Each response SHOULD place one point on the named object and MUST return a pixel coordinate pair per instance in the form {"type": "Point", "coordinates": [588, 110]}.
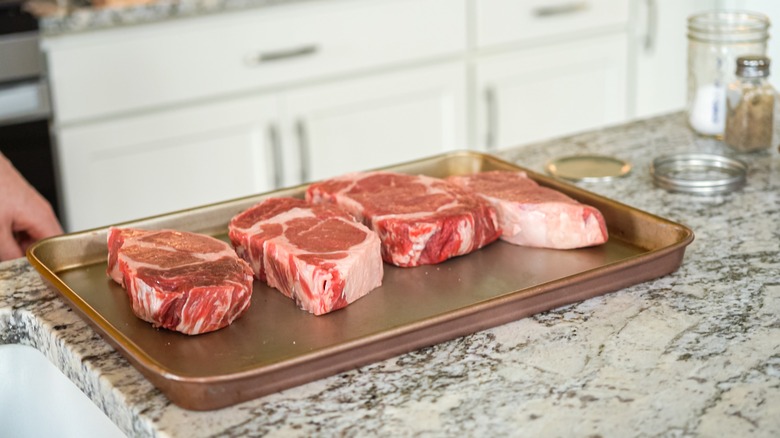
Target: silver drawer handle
{"type": "Point", "coordinates": [276, 152]}
{"type": "Point", "coordinates": [652, 25]}
{"type": "Point", "coordinates": [303, 150]}
{"type": "Point", "coordinates": [491, 119]}
{"type": "Point", "coordinates": [284, 54]}
{"type": "Point", "coordinates": [562, 9]}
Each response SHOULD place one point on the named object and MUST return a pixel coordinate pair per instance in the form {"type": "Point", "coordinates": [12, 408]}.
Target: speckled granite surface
{"type": "Point", "coordinates": [65, 17]}
{"type": "Point", "coordinates": [695, 353]}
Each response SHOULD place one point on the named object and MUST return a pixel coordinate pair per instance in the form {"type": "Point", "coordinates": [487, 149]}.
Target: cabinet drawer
{"type": "Point", "coordinates": [508, 21]}
{"type": "Point", "coordinates": [129, 69]}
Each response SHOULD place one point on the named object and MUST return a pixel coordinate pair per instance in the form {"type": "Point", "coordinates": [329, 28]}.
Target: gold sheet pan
{"type": "Point", "coordinates": [276, 346]}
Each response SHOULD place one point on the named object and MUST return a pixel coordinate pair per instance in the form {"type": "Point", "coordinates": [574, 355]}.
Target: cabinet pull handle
{"type": "Point", "coordinates": [283, 54]}
{"type": "Point", "coordinates": [303, 150]}
{"type": "Point", "coordinates": [562, 9]}
{"type": "Point", "coordinates": [276, 155]}
{"type": "Point", "coordinates": [652, 25]}
{"type": "Point", "coordinates": [491, 119]}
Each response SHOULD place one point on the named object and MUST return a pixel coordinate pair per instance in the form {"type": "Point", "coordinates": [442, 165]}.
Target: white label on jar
{"type": "Point", "coordinates": [708, 113]}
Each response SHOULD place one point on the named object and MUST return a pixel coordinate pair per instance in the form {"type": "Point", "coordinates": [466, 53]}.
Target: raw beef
{"type": "Point", "coordinates": [180, 281]}
{"type": "Point", "coordinates": [420, 220]}
{"type": "Point", "coordinates": [315, 254]}
{"type": "Point", "coordinates": [532, 215]}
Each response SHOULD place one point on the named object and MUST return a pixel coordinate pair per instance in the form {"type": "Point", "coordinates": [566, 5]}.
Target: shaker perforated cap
{"type": "Point", "coordinates": [753, 66]}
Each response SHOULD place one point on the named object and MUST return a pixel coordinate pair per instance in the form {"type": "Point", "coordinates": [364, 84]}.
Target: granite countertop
{"type": "Point", "coordinates": [694, 353]}
{"type": "Point", "coordinates": [61, 17]}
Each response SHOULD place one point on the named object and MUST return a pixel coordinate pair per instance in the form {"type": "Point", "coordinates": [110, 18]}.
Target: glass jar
{"type": "Point", "coordinates": [715, 40]}
{"type": "Point", "coordinates": [750, 106]}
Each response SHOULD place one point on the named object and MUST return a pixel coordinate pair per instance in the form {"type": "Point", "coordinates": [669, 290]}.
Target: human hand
{"type": "Point", "coordinates": [25, 215]}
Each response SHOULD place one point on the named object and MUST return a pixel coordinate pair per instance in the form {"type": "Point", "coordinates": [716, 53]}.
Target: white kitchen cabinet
{"type": "Point", "coordinates": [153, 118]}
{"type": "Point", "coordinates": [659, 74]}
{"type": "Point", "coordinates": [162, 161]}
{"type": "Point", "coordinates": [538, 93]}
{"type": "Point", "coordinates": [162, 116]}
{"type": "Point", "coordinates": [546, 68]}
{"type": "Point", "coordinates": [374, 121]}
{"type": "Point", "coordinates": [149, 164]}
{"type": "Point", "coordinates": [128, 69]}
{"type": "Point", "coordinates": [506, 23]}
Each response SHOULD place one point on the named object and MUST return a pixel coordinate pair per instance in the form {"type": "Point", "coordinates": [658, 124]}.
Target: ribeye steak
{"type": "Point", "coordinates": [536, 216]}
{"type": "Point", "coordinates": [318, 255]}
{"type": "Point", "coordinates": [187, 282]}
{"type": "Point", "coordinates": [420, 220]}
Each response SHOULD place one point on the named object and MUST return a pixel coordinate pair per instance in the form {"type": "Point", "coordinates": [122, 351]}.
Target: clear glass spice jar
{"type": "Point", "coordinates": [750, 102]}
{"type": "Point", "coordinates": [715, 40]}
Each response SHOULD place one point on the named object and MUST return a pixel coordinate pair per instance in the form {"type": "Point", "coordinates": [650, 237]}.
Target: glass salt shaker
{"type": "Point", "coordinates": [715, 40]}
{"type": "Point", "coordinates": [750, 102]}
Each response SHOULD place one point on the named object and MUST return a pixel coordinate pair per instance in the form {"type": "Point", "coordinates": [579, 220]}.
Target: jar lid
{"type": "Point", "coordinates": [753, 66]}
{"type": "Point", "coordinates": [703, 174]}
{"type": "Point", "coordinates": [588, 168]}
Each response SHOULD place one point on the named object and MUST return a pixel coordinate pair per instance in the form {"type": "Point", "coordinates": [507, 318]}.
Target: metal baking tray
{"type": "Point", "coordinates": [276, 346]}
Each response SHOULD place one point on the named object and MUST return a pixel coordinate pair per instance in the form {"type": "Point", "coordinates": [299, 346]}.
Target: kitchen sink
{"type": "Point", "coordinates": [37, 400]}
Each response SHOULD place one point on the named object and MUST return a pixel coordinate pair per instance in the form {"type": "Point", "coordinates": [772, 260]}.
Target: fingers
{"type": "Point", "coordinates": [41, 223]}
{"type": "Point", "coordinates": [9, 247]}
{"type": "Point", "coordinates": [31, 221]}
{"type": "Point", "coordinates": [25, 215]}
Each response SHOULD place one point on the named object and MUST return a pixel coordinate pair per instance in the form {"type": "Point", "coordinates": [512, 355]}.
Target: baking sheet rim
{"type": "Point", "coordinates": [151, 368]}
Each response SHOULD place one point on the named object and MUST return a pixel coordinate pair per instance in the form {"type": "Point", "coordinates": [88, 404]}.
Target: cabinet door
{"type": "Point", "coordinates": [550, 91]}
{"type": "Point", "coordinates": [660, 48]}
{"type": "Point", "coordinates": [374, 121]}
{"type": "Point", "coordinates": [160, 162]}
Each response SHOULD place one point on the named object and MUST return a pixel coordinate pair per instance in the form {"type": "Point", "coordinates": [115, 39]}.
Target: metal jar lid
{"type": "Point", "coordinates": [588, 168]}
{"type": "Point", "coordinates": [703, 174]}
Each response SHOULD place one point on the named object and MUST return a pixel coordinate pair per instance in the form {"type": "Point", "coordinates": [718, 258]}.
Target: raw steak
{"type": "Point", "coordinates": [532, 215]}
{"type": "Point", "coordinates": [315, 254]}
{"type": "Point", "coordinates": [420, 220]}
{"type": "Point", "coordinates": [180, 281]}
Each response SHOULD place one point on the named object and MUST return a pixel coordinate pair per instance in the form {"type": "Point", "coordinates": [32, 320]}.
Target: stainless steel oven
{"type": "Point", "coordinates": [24, 100]}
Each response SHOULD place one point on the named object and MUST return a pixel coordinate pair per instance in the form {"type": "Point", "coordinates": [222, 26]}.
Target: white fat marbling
{"type": "Point", "coordinates": [694, 353]}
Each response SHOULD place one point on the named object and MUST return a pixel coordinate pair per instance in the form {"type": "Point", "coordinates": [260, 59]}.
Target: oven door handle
{"type": "Point", "coordinates": [24, 101]}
